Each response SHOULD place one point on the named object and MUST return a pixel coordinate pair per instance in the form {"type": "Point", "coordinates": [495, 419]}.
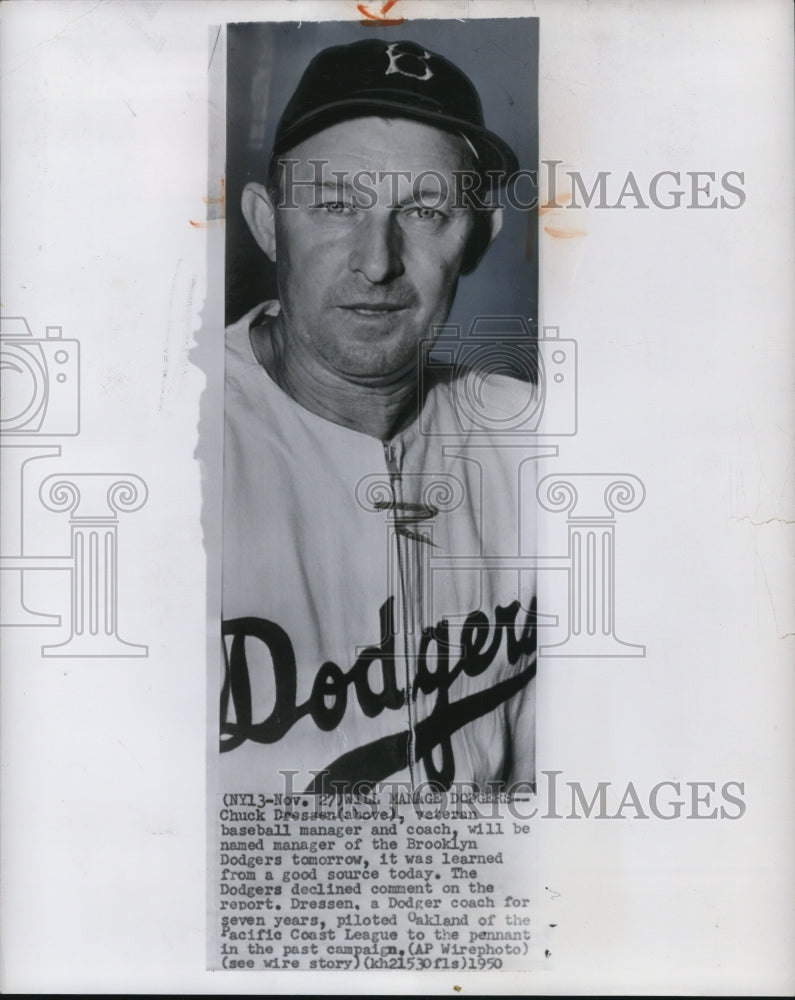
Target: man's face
{"type": "Point", "coordinates": [365, 274]}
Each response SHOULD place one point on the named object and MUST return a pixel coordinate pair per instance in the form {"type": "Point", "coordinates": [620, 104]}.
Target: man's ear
{"type": "Point", "coordinates": [259, 214]}
{"type": "Point", "coordinates": [487, 226]}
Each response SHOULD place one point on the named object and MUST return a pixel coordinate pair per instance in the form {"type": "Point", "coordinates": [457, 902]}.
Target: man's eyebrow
{"type": "Point", "coordinates": [334, 185]}
{"type": "Point", "coordinates": [438, 195]}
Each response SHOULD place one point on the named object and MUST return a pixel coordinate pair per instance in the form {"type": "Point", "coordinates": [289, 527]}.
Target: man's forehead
{"type": "Point", "coordinates": [385, 144]}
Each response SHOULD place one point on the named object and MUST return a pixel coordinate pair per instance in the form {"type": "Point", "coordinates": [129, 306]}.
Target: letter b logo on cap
{"type": "Point", "coordinates": [407, 62]}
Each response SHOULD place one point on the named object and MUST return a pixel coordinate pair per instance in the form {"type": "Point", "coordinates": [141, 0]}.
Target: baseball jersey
{"type": "Point", "coordinates": [378, 622]}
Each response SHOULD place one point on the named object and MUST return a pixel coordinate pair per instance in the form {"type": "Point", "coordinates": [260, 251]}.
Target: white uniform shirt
{"type": "Point", "coordinates": [376, 626]}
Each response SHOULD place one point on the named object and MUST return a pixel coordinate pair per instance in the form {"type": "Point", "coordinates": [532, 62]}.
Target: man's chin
{"type": "Point", "coordinates": [375, 367]}
{"type": "Point", "coordinates": [375, 351]}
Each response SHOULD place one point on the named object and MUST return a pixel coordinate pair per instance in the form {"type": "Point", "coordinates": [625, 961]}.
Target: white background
{"type": "Point", "coordinates": [684, 321]}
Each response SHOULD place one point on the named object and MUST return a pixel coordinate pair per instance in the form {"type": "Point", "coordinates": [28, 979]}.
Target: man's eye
{"type": "Point", "coordinates": [337, 207]}
{"type": "Point", "coordinates": [429, 214]}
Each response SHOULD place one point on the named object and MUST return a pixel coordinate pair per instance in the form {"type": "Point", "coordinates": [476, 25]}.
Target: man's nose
{"type": "Point", "coordinates": [378, 251]}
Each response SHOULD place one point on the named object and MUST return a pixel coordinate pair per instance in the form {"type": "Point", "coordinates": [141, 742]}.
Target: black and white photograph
{"type": "Point", "coordinates": [396, 510]}
{"type": "Point", "coordinates": [378, 619]}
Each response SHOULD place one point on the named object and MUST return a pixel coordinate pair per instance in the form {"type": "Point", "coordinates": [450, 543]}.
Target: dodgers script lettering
{"type": "Point", "coordinates": [480, 642]}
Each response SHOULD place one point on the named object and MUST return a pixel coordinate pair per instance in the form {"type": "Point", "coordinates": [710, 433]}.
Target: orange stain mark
{"type": "Point", "coordinates": [564, 234]}
{"type": "Point", "coordinates": [558, 202]}
{"type": "Point", "coordinates": [217, 216]}
{"type": "Point", "coordinates": [217, 201]}
{"type": "Point", "coordinates": [380, 19]}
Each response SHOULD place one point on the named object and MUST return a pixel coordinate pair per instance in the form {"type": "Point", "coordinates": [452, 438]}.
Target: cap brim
{"type": "Point", "coordinates": [494, 154]}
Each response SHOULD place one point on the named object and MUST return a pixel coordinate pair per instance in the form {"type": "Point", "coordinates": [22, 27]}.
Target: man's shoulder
{"type": "Point", "coordinates": [485, 400]}
{"type": "Point", "coordinates": [243, 325]}
{"type": "Point", "coordinates": [239, 352]}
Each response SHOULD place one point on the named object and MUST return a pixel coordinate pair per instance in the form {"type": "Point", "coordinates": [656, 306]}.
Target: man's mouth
{"type": "Point", "coordinates": [372, 308]}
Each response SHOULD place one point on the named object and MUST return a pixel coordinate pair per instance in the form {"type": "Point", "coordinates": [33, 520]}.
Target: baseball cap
{"type": "Point", "coordinates": [390, 79]}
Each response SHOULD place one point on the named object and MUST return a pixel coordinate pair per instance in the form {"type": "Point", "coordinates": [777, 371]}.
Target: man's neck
{"type": "Point", "coordinates": [379, 408]}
